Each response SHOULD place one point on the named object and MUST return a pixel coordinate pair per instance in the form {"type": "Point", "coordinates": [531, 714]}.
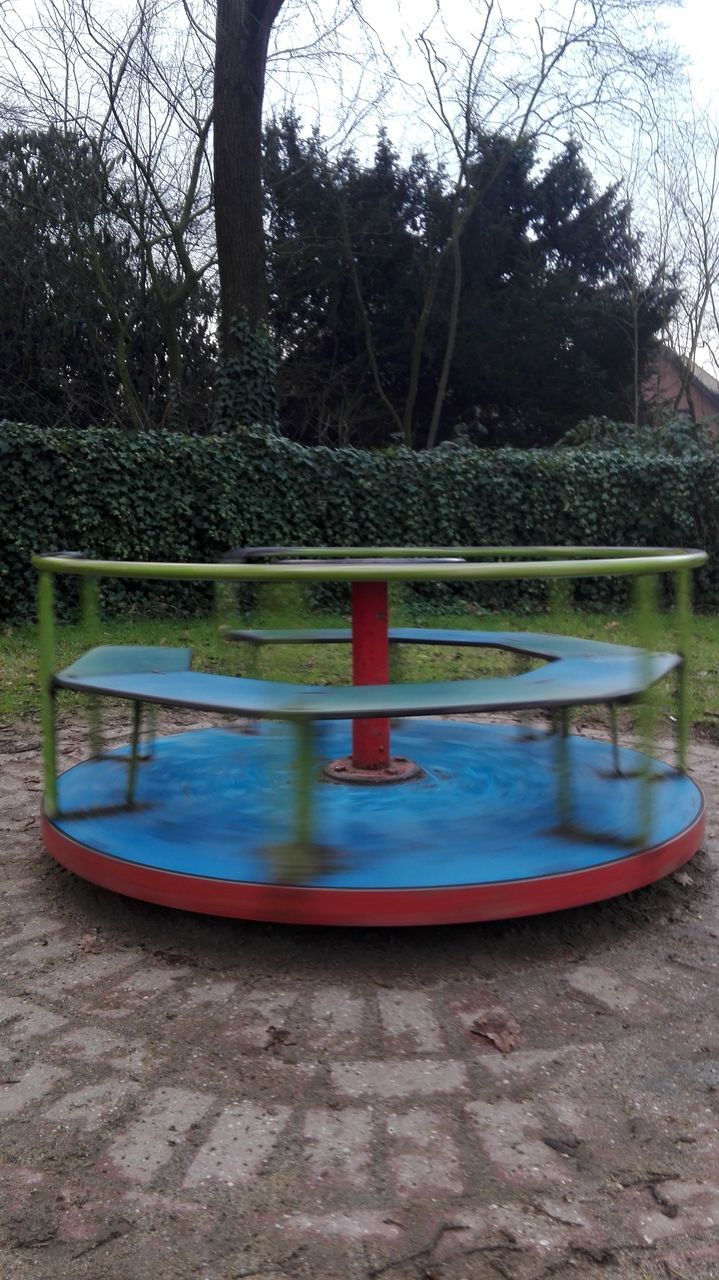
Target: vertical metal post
{"type": "Point", "coordinates": [134, 752]}
{"type": "Point", "coordinates": [564, 788]}
{"type": "Point", "coordinates": [615, 739]}
{"type": "Point", "coordinates": [370, 665]}
{"type": "Point", "coordinates": [46, 644]}
{"type": "Point", "coordinates": [683, 612]}
{"type": "Point", "coordinates": [90, 614]}
{"type": "Point", "coordinates": [223, 616]}
{"type": "Point", "coordinates": [90, 607]}
{"type": "Point", "coordinates": [646, 600]}
{"type": "Point", "coordinates": [304, 780]}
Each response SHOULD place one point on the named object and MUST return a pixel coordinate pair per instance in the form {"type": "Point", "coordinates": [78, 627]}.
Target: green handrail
{"type": "Point", "coordinates": [430, 564]}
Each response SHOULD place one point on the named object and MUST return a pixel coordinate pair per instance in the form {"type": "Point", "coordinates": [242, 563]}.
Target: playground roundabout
{"type": "Point", "coordinates": [366, 804]}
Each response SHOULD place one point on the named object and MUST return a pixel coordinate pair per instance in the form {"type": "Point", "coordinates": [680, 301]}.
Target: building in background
{"type": "Point", "coordinates": [689, 391]}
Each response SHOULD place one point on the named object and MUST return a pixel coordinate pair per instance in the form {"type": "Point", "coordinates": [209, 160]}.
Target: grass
{"type": "Point", "coordinates": [330, 664]}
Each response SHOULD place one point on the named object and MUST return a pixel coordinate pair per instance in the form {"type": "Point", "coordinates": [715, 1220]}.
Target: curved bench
{"type": "Point", "coordinates": [533, 644]}
{"type": "Point", "coordinates": [162, 675]}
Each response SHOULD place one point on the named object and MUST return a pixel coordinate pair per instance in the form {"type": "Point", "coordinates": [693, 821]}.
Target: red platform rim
{"type": "Point", "coordinates": [294, 904]}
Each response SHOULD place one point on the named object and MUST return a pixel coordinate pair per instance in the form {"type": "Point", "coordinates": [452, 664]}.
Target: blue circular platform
{"type": "Point", "coordinates": [477, 836]}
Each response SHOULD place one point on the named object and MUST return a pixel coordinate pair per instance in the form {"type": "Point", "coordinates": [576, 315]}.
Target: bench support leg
{"type": "Point", "coordinates": [134, 752]}
{"type": "Point", "coordinates": [304, 783]}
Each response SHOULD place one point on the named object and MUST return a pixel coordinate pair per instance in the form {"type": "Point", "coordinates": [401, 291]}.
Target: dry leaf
{"type": "Point", "coordinates": [499, 1027]}
{"type": "Point", "coordinates": [278, 1036]}
{"type": "Point", "coordinates": [89, 942]}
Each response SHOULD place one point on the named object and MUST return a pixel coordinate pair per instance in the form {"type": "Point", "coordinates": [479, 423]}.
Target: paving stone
{"type": "Point", "coordinates": [91, 1106]}
{"type": "Point", "coordinates": [409, 1022]}
{"type": "Point", "coordinates": [39, 952]}
{"type": "Point", "coordinates": [423, 1154]}
{"type": "Point", "coordinates": [688, 1208]}
{"type": "Point", "coordinates": [249, 1023]}
{"type": "Point", "coordinates": [17, 889]}
{"type": "Point", "coordinates": [336, 1018]}
{"type": "Point", "coordinates": [238, 1146]}
{"type": "Point", "coordinates": [19, 1091]}
{"type": "Point", "coordinates": [149, 1141]}
{"type": "Point", "coordinates": [510, 1134]}
{"type": "Point", "coordinates": [89, 970]}
{"type": "Point", "coordinates": [35, 927]}
{"type": "Point", "coordinates": [614, 993]}
{"type": "Point", "coordinates": [26, 1019]}
{"type": "Point", "coordinates": [215, 992]}
{"type": "Point", "coordinates": [338, 1144]}
{"type": "Point", "coordinates": [533, 1065]}
{"type": "Point", "coordinates": [90, 1042]}
{"type": "Point", "coordinates": [505, 1230]}
{"type": "Point", "coordinates": [396, 1078]}
{"type": "Point", "coordinates": [152, 982]}
{"type": "Point", "coordinates": [347, 1226]}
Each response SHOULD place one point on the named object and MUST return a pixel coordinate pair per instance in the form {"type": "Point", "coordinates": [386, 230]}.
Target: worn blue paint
{"type": "Point", "coordinates": [536, 644]}
{"type": "Point", "coordinates": [214, 801]}
{"type": "Point", "coordinates": [567, 682]}
{"type": "Point", "coordinates": [126, 659]}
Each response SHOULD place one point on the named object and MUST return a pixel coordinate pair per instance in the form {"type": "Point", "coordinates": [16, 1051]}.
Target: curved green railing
{"type": "Point", "coordinates": [505, 563]}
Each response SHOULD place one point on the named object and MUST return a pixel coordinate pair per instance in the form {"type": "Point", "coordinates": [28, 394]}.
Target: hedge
{"type": "Point", "coordinates": [161, 496]}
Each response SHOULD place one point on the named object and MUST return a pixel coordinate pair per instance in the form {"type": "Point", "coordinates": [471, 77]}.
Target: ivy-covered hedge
{"type": "Point", "coordinates": [159, 496]}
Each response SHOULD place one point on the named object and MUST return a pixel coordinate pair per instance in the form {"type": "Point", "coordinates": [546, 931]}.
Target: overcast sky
{"type": "Point", "coordinates": [317, 92]}
{"type": "Point", "coordinates": [696, 29]}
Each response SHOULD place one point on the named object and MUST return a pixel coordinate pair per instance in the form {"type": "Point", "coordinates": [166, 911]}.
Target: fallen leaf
{"type": "Point", "coordinates": [499, 1027]}
{"type": "Point", "coordinates": [567, 1145]}
{"type": "Point", "coordinates": [89, 942]}
{"type": "Point", "coordinates": [278, 1036]}
{"type": "Point", "coordinates": [682, 877]}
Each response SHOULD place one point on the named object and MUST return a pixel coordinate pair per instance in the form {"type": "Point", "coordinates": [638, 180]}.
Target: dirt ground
{"type": "Point", "coordinates": [183, 1096]}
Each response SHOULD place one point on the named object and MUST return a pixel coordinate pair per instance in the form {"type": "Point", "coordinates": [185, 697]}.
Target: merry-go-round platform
{"type": "Point", "coordinates": [378, 802]}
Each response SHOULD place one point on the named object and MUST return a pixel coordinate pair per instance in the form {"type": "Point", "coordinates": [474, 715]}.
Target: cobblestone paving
{"type": "Point", "coordinates": [186, 1097]}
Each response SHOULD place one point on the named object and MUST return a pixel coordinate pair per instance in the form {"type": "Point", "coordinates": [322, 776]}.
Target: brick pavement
{"type": "Point", "coordinates": [184, 1097]}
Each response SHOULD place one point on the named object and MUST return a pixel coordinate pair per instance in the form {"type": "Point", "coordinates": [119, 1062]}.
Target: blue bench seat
{"type": "Point", "coordinates": [533, 644]}
{"type": "Point", "coordinates": [162, 675]}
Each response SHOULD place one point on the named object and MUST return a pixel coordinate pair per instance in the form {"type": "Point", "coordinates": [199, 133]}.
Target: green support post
{"type": "Point", "coordinates": [150, 731]}
{"type": "Point", "coordinates": [90, 614]}
{"type": "Point", "coordinates": [134, 753]}
{"type": "Point", "coordinates": [304, 780]}
{"type": "Point", "coordinates": [564, 781]}
{"type": "Point", "coordinates": [519, 663]}
{"type": "Point", "coordinates": [396, 663]}
{"type": "Point", "coordinates": [614, 729]}
{"type": "Point", "coordinates": [224, 616]}
{"type": "Point", "coordinates": [684, 631]}
{"type": "Point", "coordinates": [46, 645]}
{"type": "Point", "coordinates": [397, 615]}
{"type": "Point", "coordinates": [646, 620]}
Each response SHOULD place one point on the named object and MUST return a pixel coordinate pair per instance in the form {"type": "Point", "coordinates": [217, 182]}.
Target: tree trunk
{"type": "Point", "coordinates": [243, 32]}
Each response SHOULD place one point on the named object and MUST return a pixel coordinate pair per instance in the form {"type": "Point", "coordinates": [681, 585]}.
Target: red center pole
{"type": "Point", "coordinates": [370, 665]}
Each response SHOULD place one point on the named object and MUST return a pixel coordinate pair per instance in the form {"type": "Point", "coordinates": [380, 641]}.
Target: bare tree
{"type": "Point", "coordinates": [577, 69]}
{"type": "Point", "coordinates": [138, 89]}
{"type": "Point", "coordinates": [686, 173]}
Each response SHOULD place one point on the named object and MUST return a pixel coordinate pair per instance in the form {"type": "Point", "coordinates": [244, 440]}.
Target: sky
{"type": "Point", "coordinates": [695, 28]}
{"type": "Point", "coordinates": [321, 94]}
